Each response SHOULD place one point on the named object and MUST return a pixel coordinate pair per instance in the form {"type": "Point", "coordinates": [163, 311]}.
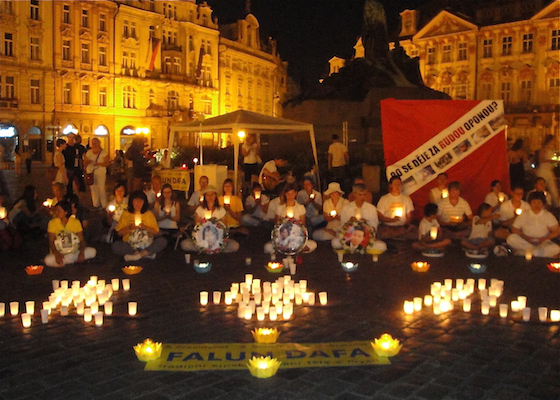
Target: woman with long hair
{"type": "Point", "coordinates": [28, 216]}
{"type": "Point", "coordinates": [167, 209]}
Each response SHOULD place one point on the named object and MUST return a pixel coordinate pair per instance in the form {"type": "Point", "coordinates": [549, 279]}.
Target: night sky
{"type": "Point", "coordinates": [310, 32]}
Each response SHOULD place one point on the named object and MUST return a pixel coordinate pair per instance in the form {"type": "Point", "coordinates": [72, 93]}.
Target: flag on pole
{"type": "Point", "coordinates": [155, 45]}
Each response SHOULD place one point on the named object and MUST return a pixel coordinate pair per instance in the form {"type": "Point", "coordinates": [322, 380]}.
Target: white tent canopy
{"type": "Point", "coordinates": [249, 122]}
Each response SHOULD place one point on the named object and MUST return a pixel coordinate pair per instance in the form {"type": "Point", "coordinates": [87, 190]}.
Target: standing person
{"type": "Point", "coordinates": [96, 162]}
{"type": "Point", "coordinates": [59, 162]}
{"type": "Point", "coordinates": [136, 154]}
{"type": "Point", "coordinates": [73, 162]}
{"type": "Point", "coordinates": [517, 157]}
{"type": "Point", "coordinates": [17, 161]}
{"type": "Point", "coordinates": [27, 158]}
{"type": "Point", "coordinates": [118, 166]}
{"type": "Point", "coordinates": [338, 159]}
{"type": "Point", "coordinates": [546, 167]}
{"type": "Point", "coordinates": [251, 155]}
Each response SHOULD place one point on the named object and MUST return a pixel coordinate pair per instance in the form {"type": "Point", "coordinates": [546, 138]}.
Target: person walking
{"type": "Point", "coordinates": [96, 162]}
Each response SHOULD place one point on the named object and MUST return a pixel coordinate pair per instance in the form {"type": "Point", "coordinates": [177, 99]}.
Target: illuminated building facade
{"type": "Point", "coordinates": [115, 69]}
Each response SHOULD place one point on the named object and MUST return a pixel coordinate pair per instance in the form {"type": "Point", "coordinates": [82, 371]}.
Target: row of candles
{"type": "Point", "coordinates": [442, 299]}
{"type": "Point", "coordinates": [272, 299]}
{"type": "Point", "coordinates": [86, 300]}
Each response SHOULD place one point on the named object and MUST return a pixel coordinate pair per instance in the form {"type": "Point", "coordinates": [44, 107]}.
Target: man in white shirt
{"type": "Point", "coordinates": [359, 210]}
{"type": "Point", "coordinates": [509, 210]}
{"type": "Point", "coordinates": [452, 212]}
{"type": "Point", "coordinates": [313, 203]}
{"type": "Point", "coordinates": [534, 229]}
{"type": "Point", "coordinates": [338, 159]}
{"type": "Point", "coordinates": [395, 212]}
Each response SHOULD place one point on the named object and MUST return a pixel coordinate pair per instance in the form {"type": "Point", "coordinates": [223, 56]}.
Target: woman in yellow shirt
{"type": "Point", "coordinates": [234, 208]}
{"type": "Point", "coordinates": [138, 227]}
{"type": "Point", "coordinates": [66, 240]}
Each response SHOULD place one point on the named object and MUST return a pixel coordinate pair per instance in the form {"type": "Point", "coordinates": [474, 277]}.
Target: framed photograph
{"type": "Point", "coordinates": [67, 242]}
{"type": "Point", "coordinates": [140, 239]}
{"type": "Point", "coordinates": [357, 237]}
{"type": "Point", "coordinates": [210, 236]}
{"type": "Point", "coordinates": [289, 236]}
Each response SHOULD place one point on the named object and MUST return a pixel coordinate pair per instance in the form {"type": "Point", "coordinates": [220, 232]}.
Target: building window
{"type": "Point", "coordinates": [85, 19]}
{"type": "Point", "coordinates": [66, 50]}
{"type": "Point", "coordinates": [462, 91]}
{"type": "Point", "coordinates": [506, 45]}
{"type": "Point", "coordinates": [413, 52]}
{"type": "Point", "coordinates": [191, 43]}
{"type": "Point", "coordinates": [133, 29]}
{"type": "Point", "coordinates": [446, 53]}
{"type": "Point", "coordinates": [555, 40]}
{"type": "Point", "coordinates": [177, 66]}
{"type": "Point", "coordinates": [206, 75]}
{"type": "Point", "coordinates": [34, 10]}
{"type": "Point", "coordinates": [446, 90]}
{"type": "Point", "coordinates": [85, 95]}
{"type": "Point", "coordinates": [129, 97]}
{"type": "Point", "coordinates": [207, 105]}
{"type": "Point", "coordinates": [431, 55]}
{"type": "Point", "coordinates": [85, 53]}
{"type": "Point", "coordinates": [34, 52]}
{"type": "Point", "coordinates": [103, 96]}
{"type": "Point", "coordinates": [462, 54]}
{"type": "Point", "coordinates": [103, 56]}
{"type": "Point", "coordinates": [152, 5]}
{"type": "Point", "coordinates": [66, 13]}
{"type": "Point", "coordinates": [126, 28]}
{"type": "Point", "coordinates": [240, 87]}
{"type": "Point", "coordinates": [152, 97]}
{"type": "Point", "coordinates": [8, 44]}
{"type": "Point", "coordinates": [506, 92]}
{"type": "Point", "coordinates": [208, 47]}
{"type": "Point", "coordinates": [132, 60]}
{"type": "Point", "coordinates": [528, 43]}
{"type": "Point", "coordinates": [487, 48]}
{"type": "Point", "coordinates": [7, 7]}
{"type": "Point", "coordinates": [152, 31]}
{"type": "Point", "coordinates": [205, 20]}
{"type": "Point", "coordinates": [67, 93]}
{"type": "Point", "coordinates": [167, 65]}
{"type": "Point", "coordinates": [172, 100]}
{"type": "Point", "coordinates": [102, 22]}
{"type": "Point", "coordinates": [486, 91]}
{"type": "Point", "coordinates": [526, 92]}
{"type": "Point", "coordinates": [10, 88]}
{"type": "Point", "coordinates": [125, 59]}
{"type": "Point", "coordinates": [554, 89]}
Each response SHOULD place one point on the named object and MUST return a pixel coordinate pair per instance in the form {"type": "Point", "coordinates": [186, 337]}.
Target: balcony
{"type": "Point", "coordinates": [8, 103]}
{"type": "Point", "coordinates": [172, 47]}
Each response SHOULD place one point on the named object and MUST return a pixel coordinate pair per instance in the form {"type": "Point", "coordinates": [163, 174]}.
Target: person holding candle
{"type": "Point", "coordinates": [312, 200]}
{"type": "Point", "coordinates": [539, 185]}
{"type": "Point", "coordinates": [167, 210]}
{"type": "Point", "coordinates": [509, 210]}
{"type": "Point", "coordinates": [496, 197]}
{"type": "Point", "coordinates": [209, 209]}
{"type": "Point", "coordinates": [395, 212]}
{"type": "Point", "coordinates": [58, 191]}
{"type": "Point", "coordinates": [430, 238]}
{"type": "Point", "coordinates": [256, 207]}
{"type": "Point", "coordinates": [452, 212]}
{"type": "Point", "coordinates": [481, 234]}
{"type": "Point", "coordinates": [138, 227]}
{"type": "Point", "coordinates": [534, 230]}
{"type": "Point", "coordinates": [360, 210]}
{"type": "Point", "coordinates": [196, 198]}
{"type": "Point", "coordinates": [66, 241]}
{"type": "Point", "coordinates": [155, 191]}
{"type": "Point", "coordinates": [369, 195]}
{"type": "Point", "coordinates": [332, 210]}
{"type": "Point", "coordinates": [440, 191]}
{"type": "Point", "coordinates": [233, 206]}
{"type": "Point", "coordinates": [115, 208]}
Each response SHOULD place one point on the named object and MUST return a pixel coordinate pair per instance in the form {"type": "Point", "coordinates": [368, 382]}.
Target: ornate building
{"type": "Point", "coordinates": [493, 50]}
{"type": "Point", "coordinates": [116, 69]}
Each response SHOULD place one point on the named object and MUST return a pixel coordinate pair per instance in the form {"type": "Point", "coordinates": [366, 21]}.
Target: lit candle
{"type": "Point", "coordinates": [543, 313]}
{"type": "Point", "coordinates": [207, 214]}
{"type": "Point", "coordinates": [444, 193]}
{"type": "Point", "coordinates": [204, 298]}
{"type": "Point", "coordinates": [248, 313]}
{"type": "Point", "coordinates": [333, 213]}
{"type": "Point", "coordinates": [26, 320]}
{"type": "Point", "coordinates": [529, 254]}
{"type": "Point", "coordinates": [518, 211]}
{"type": "Point", "coordinates": [260, 313]}
{"type": "Point", "coordinates": [14, 308]}
{"type": "Point", "coordinates": [358, 213]}
{"type": "Point", "coordinates": [417, 303]}
{"type": "Point", "coordinates": [137, 219]}
{"type": "Point", "coordinates": [257, 194]}
{"type": "Point", "coordinates": [408, 307]}
{"type": "Point", "coordinates": [3, 212]}
{"type": "Point", "coordinates": [448, 284]}
{"type": "Point", "coordinates": [2, 309]}
{"type": "Point", "coordinates": [98, 318]}
{"type": "Point", "coordinates": [132, 308]}
{"type": "Point", "coordinates": [115, 283]}
{"type": "Point", "coordinates": [312, 196]}
{"type": "Point", "coordinates": [30, 307]}
{"type": "Point", "coordinates": [201, 199]}
{"type": "Point", "coordinates": [526, 314]}
{"type": "Point", "coordinates": [227, 200]}
{"type": "Point", "coordinates": [466, 305]}
{"type": "Point", "coordinates": [227, 298]}
{"type": "Point", "coordinates": [433, 232]}
{"type": "Point", "coordinates": [503, 310]}
{"type": "Point", "coordinates": [108, 307]}
{"type": "Point", "coordinates": [501, 197]}
{"type": "Point", "coordinates": [44, 316]}
{"type": "Point", "coordinates": [126, 284]}
{"type": "Point", "coordinates": [148, 350]}
{"type": "Point", "coordinates": [112, 208]}
{"type": "Point", "coordinates": [428, 300]}
{"type": "Point", "coordinates": [323, 298]}
{"type": "Point", "coordinates": [437, 309]}
{"type": "Point", "coordinates": [290, 212]}
{"type": "Point", "coordinates": [87, 315]}
{"type": "Point", "coordinates": [216, 297]}
{"type": "Point", "coordinates": [399, 212]}
{"type": "Point", "coordinates": [555, 315]}
{"type": "Point", "coordinates": [311, 300]}
{"type": "Point", "coordinates": [64, 311]}
{"type": "Point", "coordinates": [515, 306]}
{"type": "Point", "coordinates": [481, 284]}
{"type": "Point", "coordinates": [522, 300]}
{"type": "Point", "coordinates": [80, 307]}
{"type": "Point", "coordinates": [272, 314]}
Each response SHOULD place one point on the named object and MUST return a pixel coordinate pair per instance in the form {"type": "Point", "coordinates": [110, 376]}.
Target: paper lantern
{"type": "Point", "coordinates": [420, 266]}
{"type": "Point", "coordinates": [132, 270]}
{"type": "Point", "coordinates": [148, 350]}
{"type": "Point", "coordinates": [265, 335]}
{"type": "Point", "coordinates": [34, 269]}
{"type": "Point", "coordinates": [263, 367]}
{"type": "Point", "coordinates": [386, 346]}
{"type": "Point", "coordinates": [554, 266]}
{"type": "Point", "coordinates": [274, 267]}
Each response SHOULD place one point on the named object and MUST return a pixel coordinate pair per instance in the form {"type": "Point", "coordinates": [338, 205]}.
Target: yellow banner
{"type": "Point", "coordinates": [207, 356]}
{"type": "Point", "coordinates": [179, 179]}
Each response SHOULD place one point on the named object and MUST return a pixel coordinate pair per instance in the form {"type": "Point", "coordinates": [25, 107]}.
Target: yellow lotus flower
{"type": "Point", "coordinates": [263, 367]}
{"type": "Point", "coordinates": [265, 335]}
{"type": "Point", "coordinates": [148, 350]}
{"type": "Point", "coordinates": [386, 346]}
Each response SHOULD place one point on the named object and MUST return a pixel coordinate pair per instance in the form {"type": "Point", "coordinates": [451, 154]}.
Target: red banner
{"type": "Point", "coordinates": [408, 125]}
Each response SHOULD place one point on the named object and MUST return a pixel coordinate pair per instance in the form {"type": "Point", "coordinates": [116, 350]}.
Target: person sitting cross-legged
{"type": "Point", "coordinates": [66, 240]}
{"type": "Point", "coordinates": [534, 230]}
{"type": "Point", "coordinates": [481, 238]}
{"type": "Point", "coordinates": [395, 212]}
{"type": "Point", "coordinates": [332, 210]}
{"type": "Point", "coordinates": [509, 210]}
{"type": "Point", "coordinates": [430, 238]}
{"type": "Point", "coordinates": [452, 212]}
{"type": "Point", "coordinates": [312, 200]}
{"type": "Point", "coordinates": [256, 207]}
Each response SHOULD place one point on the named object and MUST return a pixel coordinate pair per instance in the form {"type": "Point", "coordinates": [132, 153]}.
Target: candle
{"type": "Point", "coordinates": [227, 298]}
{"type": "Point", "coordinates": [44, 316]}
{"type": "Point", "coordinates": [30, 307]}
{"type": "Point", "coordinates": [529, 254]}
{"type": "Point", "coordinates": [207, 214]}
{"type": "Point", "coordinates": [132, 308]}
{"type": "Point", "coordinates": [14, 308]}
{"type": "Point", "coordinates": [257, 194]}
{"type": "Point", "coordinates": [455, 294]}
{"type": "Point", "coordinates": [248, 313]}
{"type": "Point", "coordinates": [518, 211]}
{"type": "Point", "coordinates": [126, 284]}
{"type": "Point", "coordinates": [333, 213]}
{"type": "Point", "coordinates": [492, 300]}
{"type": "Point", "coordinates": [543, 313]}
{"type": "Point", "coordinates": [203, 298]}
{"type": "Point", "coordinates": [481, 284]}
{"type": "Point", "coordinates": [115, 283]}
{"type": "Point", "coordinates": [408, 307]}
{"type": "Point", "coordinates": [448, 284]}
{"type": "Point", "coordinates": [290, 212]}
{"type": "Point", "coordinates": [87, 315]}
{"type": "Point", "coordinates": [444, 193]}
{"type": "Point", "coordinates": [437, 309]}
{"type": "Point", "coordinates": [26, 320]}
{"type": "Point", "coordinates": [501, 197]}
{"type": "Point", "coordinates": [55, 284]}
{"type": "Point", "coordinates": [112, 208]}
{"type": "Point", "coordinates": [312, 196]}
{"type": "Point", "coordinates": [323, 298]}
{"type": "Point", "coordinates": [137, 219]}
{"type": "Point", "coordinates": [526, 314]}
{"type": "Point", "coordinates": [64, 311]}
{"type": "Point", "coordinates": [522, 300]}
{"type": "Point", "coordinates": [260, 313]}
{"type": "Point", "coordinates": [201, 199]}
{"type": "Point", "coordinates": [311, 300]}
{"type": "Point", "coordinates": [515, 306]}
{"type": "Point", "coordinates": [428, 300]}
{"type": "Point", "coordinates": [417, 303]}
{"type": "Point", "coordinates": [466, 305]}
{"type": "Point", "coordinates": [503, 310]}
{"type": "Point", "coordinates": [2, 309]}
{"type": "Point", "coordinates": [108, 307]}
{"type": "Point", "coordinates": [80, 308]}
{"type": "Point", "coordinates": [358, 213]}
{"type": "Point", "coordinates": [272, 314]}
{"type": "Point", "coordinates": [216, 297]}
{"type": "Point", "coordinates": [227, 200]}
{"type": "Point", "coordinates": [433, 232]}
{"type": "Point", "coordinates": [555, 315]}
{"type": "Point", "coordinates": [3, 212]}
{"type": "Point", "coordinates": [303, 285]}
{"type": "Point", "coordinates": [98, 318]}
{"type": "Point", "coordinates": [399, 212]}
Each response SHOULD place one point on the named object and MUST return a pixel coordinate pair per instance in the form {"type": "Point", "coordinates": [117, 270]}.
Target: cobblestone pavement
{"type": "Point", "coordinates": [452, 356]}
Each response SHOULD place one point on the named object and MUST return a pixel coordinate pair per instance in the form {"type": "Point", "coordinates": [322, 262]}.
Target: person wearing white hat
{"type": "Point", "coordinates": [332, 211]}
{"type": "Point", "coordinates": [209, 208]}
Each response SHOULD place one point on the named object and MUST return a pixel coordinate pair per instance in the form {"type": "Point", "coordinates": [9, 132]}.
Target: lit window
{"type": "Point", "coordinates": [177, 66]}
{"type": "Point", "coordinates": [172, 100]}
{"type": "Point", "coordinates": [167, 65]}
{"type": "Point", "coordinates": [66, 13]}
{"type": "Point", "coordinates": [10, 87]}
{"type": "Point", "coordinates": [446, 53]}
{"type": "Point", "coordinates": [8, 44]}
{"type": "Point", "coordinates": [103, 56]}
{"type": "Point", "coordinates": [555, 40]}
{"type": "Point", "coordinates": [133, 60]}
{"type": "Point", "coordinates": [126, 28]}
{"type": "Point", "coordinates": [102, 22]}
{"type": "Point", "coordinates": [133, 29]}
{"type": "Point", "coordinates": [67, 93]}
{"type": "Point", "coordinates": [207, 105]}
{"type": "Point", "coordinates": [66, 50]}
{"type": "Point", "coordinates": [431, 55]}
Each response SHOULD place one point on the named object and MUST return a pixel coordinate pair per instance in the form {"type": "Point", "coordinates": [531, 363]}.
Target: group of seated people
{"type": "Point", "coordinates": [141, 224]}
